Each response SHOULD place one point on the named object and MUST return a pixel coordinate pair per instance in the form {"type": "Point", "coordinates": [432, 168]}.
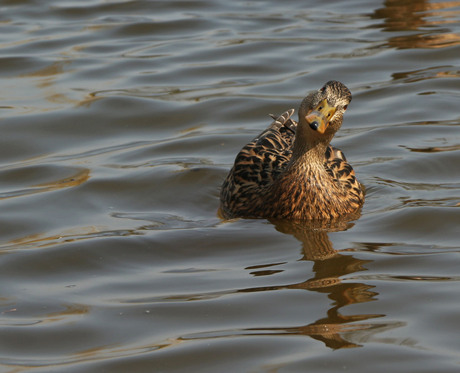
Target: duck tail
{"type": "Point", "coordinates": [284, 120]}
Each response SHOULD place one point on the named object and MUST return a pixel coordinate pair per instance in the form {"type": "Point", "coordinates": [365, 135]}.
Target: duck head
{"type": "Point", "coordinates": [320, 116]}
{"type": "Point", "coordinates": [323, 110]}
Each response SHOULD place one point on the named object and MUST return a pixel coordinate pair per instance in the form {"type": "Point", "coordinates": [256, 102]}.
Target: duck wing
{"type": "Point", "coordinates": [337, 166]}
{"type": "Point", "coordinates": [257, 165]}
{"type": "Point", "coordinates": [261, 160]}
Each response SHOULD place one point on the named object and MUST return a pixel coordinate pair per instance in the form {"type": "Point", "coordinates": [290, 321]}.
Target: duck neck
{"type": "Point", "coordinates": [309, 148]}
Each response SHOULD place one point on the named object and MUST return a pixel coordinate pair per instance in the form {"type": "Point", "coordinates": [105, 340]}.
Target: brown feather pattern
{"type": "Point", "coordinates": [267, 181]}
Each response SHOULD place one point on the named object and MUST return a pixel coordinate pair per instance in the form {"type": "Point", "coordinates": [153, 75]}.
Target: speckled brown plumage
{"type": "Point", "coordinates": [290, 171]}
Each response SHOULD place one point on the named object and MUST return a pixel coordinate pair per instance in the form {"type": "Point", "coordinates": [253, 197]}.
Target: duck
{"type": "Point", "coordinates": [290, 171]}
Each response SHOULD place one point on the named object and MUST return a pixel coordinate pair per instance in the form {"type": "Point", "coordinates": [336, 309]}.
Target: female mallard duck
{"type": "Point", "coordinates": [290, 171]}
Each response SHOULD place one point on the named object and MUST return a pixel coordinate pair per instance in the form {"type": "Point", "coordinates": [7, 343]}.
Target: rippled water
{"type": "Point", "coordinates": [119, 121]}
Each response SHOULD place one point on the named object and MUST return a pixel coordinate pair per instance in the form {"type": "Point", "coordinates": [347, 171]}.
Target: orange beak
{"type": "Point", "coordinates": [319, 117]}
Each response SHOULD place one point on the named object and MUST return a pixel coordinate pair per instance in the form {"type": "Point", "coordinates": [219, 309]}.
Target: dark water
{"type": "Point", "coordinates": [119, 121]}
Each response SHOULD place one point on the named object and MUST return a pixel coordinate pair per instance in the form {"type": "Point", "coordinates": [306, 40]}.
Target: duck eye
{"type": "Point", "coordinates": [345, 107]}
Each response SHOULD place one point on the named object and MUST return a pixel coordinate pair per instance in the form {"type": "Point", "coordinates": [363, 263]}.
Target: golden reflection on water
{"type": "Point", "coordinates": [56, 68]}
{"type": "Point", "coordinates": [81, 176]}
{"type": "Point", "coordinates": [419, 15]}
{"type": "Point", "coordinates": [42, 240]}
{"type": "Point", "coordinates": [424, 74]}
{"type": "Point", "coordinates": [69, 311]}
{"type": "Point", "coordinates": [45, 79]}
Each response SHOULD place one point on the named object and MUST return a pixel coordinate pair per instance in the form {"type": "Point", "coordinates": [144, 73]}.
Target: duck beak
{"type": "Point", "coordinates": [319, 117]}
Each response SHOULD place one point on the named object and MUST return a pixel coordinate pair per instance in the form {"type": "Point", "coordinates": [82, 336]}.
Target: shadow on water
{"type": "Point", "coordinates": [336, 330]}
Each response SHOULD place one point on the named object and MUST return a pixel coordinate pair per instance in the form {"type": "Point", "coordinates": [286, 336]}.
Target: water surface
{"type": "Point", "coordinates": [119, 121]}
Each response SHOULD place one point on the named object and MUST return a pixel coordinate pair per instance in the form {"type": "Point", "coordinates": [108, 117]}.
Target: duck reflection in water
{"type": "Point", "coordinates": [335, 329]}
